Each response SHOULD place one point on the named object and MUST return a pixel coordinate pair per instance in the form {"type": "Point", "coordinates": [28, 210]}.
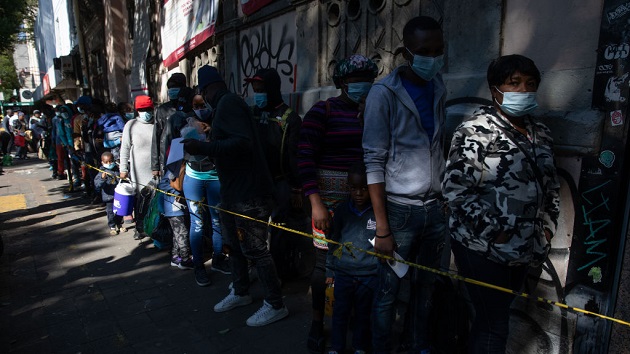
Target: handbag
{"type": "Point", "coordinates": [162, 235]}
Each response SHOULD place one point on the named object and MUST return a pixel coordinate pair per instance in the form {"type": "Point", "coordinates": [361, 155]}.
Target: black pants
{"type": "Point", "coordinates": [113, 220]}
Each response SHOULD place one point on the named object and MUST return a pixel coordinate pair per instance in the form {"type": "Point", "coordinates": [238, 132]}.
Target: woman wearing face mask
{"type": "Point", "coordinates": [125, 109]}
{"type": "Point", "coordinates": [202, 183]}
{"type": "Point", "coordinates": [135, 153]}
{"type": "Point", "coordinates": [329, 143]}
{"type": "Point", "coordinates": [501, 186]}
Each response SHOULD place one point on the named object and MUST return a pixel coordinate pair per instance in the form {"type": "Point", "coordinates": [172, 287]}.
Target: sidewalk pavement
{"type": "Point", "coordinates": [67, 286]}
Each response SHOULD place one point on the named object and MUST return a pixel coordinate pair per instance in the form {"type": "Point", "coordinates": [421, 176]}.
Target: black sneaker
{"type": "Point", "coordinates": [220, 263]}
{"type": "Point", "coordinates": [201, 276]}
{"type": "Point", "coordinates": [138, 235]}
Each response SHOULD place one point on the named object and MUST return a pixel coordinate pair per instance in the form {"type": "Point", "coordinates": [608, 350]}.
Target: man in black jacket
{"type": "Point", "coordinates": [174, 84]}
{"type": "Point", "coordinates": [246, 189]}
{"type": "Point", "coordinates": [279, 130]}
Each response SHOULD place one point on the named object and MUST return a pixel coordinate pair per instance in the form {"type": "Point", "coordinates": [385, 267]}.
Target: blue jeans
{"type": "Point", "coordinates": [248, 242]}
{"type": "Point", "coordinates": [420, 233]}
{"type": "Point", "coordinates": [490, 327]}
{"type": "Point", "coordinates": [352, 293]}
{"type": "Point", "coordinates": [208, 193]}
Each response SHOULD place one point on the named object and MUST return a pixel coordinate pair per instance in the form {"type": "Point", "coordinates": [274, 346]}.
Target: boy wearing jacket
{"type": "Point", "coordinates": [105, 183]}
{"type": "Point", "coordinates": [354, 275]}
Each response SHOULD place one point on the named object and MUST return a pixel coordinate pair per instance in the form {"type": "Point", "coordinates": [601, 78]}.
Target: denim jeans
{"type": "Point", "coordinates": [248, 242]}
{"type": "Point", "coordinates": [352, 293]}
{"type": "Point", "coordinates": [113, 220]}
{"type": "Point", "coordinates": [419, 232]}
{"type": "Point", "coordinates": [490, 327]}
{"type": "Point", "coordinates": [208, 193]}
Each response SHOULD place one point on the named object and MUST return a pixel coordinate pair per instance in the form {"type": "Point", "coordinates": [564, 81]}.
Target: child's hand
{"type": "Point", "coordinates": [330, 280]}
{"type": "Point", "coordinates": [103, 175]}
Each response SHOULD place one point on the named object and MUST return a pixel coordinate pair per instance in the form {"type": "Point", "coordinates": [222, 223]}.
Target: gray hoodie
{"type": "Point", "coordinates": [396, 146]}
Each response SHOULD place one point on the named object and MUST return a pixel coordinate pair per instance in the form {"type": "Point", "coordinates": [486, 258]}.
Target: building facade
{"type": "Point", "coordinates": [131, 47]}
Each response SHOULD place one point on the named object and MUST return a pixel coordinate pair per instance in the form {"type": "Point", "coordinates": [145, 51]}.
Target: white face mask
{"type": "Point", "coordinates": [517, 104]}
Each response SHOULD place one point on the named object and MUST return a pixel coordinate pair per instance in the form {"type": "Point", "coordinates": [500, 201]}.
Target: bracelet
{"type": "Point", "coordinates": [384, 236]}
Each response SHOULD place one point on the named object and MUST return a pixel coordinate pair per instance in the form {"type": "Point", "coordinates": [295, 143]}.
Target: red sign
{"type": "Point", "coordinates": [616, 118]}
{"type": "Point", "coordinates": [251, 6]}
{"type": "Point", "coordinates": [46, 83]}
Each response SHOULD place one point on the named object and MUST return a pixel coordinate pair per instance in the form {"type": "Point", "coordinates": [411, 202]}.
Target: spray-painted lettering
{"type": "Point", "coordinates": [593, 206]}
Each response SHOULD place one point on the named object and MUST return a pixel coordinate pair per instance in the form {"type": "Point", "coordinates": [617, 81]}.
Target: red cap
{"type": "Point", "coordinates": [255, 78]}
{"type": "Point", "coordinates": [144, 102]}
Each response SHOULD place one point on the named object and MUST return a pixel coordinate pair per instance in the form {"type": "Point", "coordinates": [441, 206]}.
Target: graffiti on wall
{"type": "Point", "coordinates": [271, 44]}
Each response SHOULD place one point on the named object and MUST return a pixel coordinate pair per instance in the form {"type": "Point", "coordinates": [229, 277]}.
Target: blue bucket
{"type": "Point", "coordinates": [123, 198]}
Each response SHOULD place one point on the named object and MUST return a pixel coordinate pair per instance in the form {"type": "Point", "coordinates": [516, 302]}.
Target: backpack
{"type": "Point", "coordinates": [272, 132]}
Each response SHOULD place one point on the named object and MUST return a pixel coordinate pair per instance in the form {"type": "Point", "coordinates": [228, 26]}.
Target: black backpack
{"type": "Point", "coordinates": [272, 132]}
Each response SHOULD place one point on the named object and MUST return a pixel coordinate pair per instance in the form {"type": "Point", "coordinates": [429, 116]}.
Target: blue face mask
{"type": "Point", "coordinates": [517, 104]}
{"type": "Point", "coordinates": [203, 114]}
{"type": "Point", "coordinates": [426, 67]}
{"type": "Point", "coordinates": [109, 166]}
{"type": "Point", "coordinates": [145, 116]}
{"type": "Point", "coordinates": [129, 115]}
{"type": "Point", "coordinates": [173, 92]}
{"type": "Point", "coordinates": [260, 99]}
{"type": "Point", "coordinates": [358, 90]}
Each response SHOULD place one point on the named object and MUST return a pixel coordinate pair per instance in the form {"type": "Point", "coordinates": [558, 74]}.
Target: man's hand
{"type": "Point", "coordinates": [123, 175]}
{"type": "Point", "coordinates": [192, 146]}
{"type": "Point", "coordinates": [329, 280]}
{"type": "Point", "coordinates": [386, 245]}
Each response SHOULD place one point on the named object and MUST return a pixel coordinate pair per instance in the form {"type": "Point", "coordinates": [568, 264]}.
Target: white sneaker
{"type": "Point", "coordinates": [231, 301]}
{"type": "Point", "coordinates": [266, 315]}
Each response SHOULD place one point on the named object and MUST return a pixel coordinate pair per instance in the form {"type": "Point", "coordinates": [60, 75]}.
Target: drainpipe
{"type": "Point", "coordinates": [83, 57]}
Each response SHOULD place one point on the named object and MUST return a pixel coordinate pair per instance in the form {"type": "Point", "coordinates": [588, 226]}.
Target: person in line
{"type": "Point", "coordinates": [105, 183]}
{"type": "Point", "coordinates": [404, 156]}
{"type": "Point", "coordinates": [201, 182]}
{"type": "Point", "coordinates": [174, 84]}
{"type": "Point", "coordinates": [175, 211]}
{"type": "Point", "coordinates": [353, 276]}
{"type": "Point", "coordinates": [503, 191]}
{"type": "Point", "coordinates": [65, 149]}
{"type": "Point", "coordinates": [20, 127]}
{"type": "Point", "coordinates": [246, 188]}
{"type": "Point", "coordinates": [135, 155]}
{"type": "Point", "coordinates": [125, 110]}
{"type": "Point", "coordinates": [279, 128]}
{"type": "Point", "coordinates": [329, 143]}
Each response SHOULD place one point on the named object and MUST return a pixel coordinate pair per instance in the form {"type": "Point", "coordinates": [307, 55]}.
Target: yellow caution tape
{"type": "Point", "coordinates": [348, 246]}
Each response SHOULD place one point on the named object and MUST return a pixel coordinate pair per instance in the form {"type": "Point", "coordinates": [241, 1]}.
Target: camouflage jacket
{"type": "Point", "coordinates": [491, 186]}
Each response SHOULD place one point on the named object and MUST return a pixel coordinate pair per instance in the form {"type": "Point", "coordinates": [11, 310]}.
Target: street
{"type": "Point", "coordinates": [67, 286]}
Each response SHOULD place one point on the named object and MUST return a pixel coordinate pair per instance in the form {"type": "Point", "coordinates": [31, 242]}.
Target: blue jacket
{"type": "Point", "coordinates": [350, 225]}
{"type": "Point", "coordinates": [111, 122]}
{"type": "Point", "coordinates": [171, 206]}
{"type": "Point", "coordinates": [106, 185]}
{"type": "Point", "coordinates": [397, 149]}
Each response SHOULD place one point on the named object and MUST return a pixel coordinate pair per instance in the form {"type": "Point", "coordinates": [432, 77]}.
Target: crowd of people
{"type": "Point", "coordinates": [367, 167]}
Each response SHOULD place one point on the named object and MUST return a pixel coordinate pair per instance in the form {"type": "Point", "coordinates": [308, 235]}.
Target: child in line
{"type": "Point", "coordinates": [354, 278]}
{"type": "Point", "coordinates": [174, 211]}
{"type": "Point", "coordinates": [105, 183]}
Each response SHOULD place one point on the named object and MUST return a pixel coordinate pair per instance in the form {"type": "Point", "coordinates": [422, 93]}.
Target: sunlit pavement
{"type": "Point", "coordinates": [67, 286]}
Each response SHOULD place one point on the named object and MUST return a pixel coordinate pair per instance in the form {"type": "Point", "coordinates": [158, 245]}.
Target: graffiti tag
{"type": "Point", "coordinates": [595, 238]}
{"type": "Point", "coordinates": [617, 51]}
{"type": "Point", "coordinates": [270, 45]}
{"type": "Point", "coordinates": [619, 12]}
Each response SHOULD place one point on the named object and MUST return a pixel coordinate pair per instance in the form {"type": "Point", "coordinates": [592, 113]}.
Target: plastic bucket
{"type": "Point", "coordinates": [123, 198]}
